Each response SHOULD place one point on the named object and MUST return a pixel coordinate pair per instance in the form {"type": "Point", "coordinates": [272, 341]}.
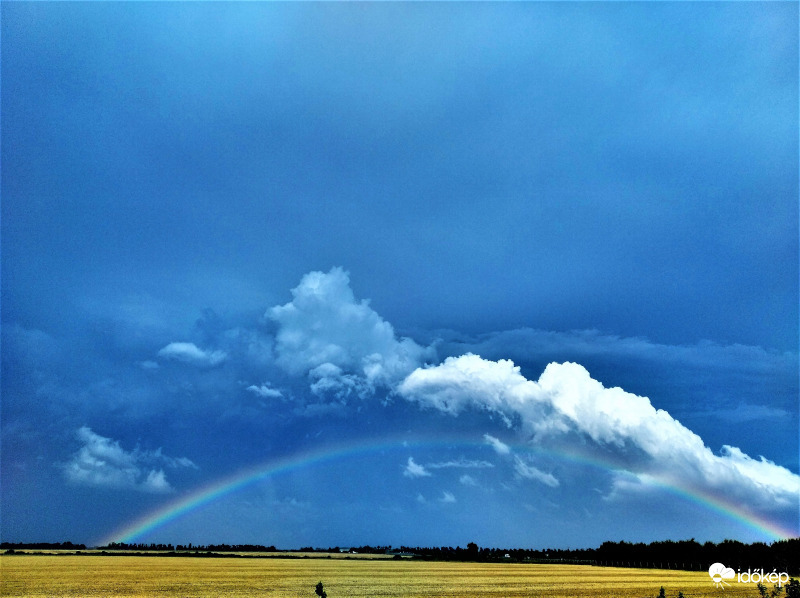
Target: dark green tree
{"type": "Point", "coordinates": [320, 591]}
{"type": "Point", "coordinates": [762, 589]}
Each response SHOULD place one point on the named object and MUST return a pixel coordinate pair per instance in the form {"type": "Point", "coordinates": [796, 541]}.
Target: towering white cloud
{"type": "Point", "coordinates": [345, 349]}
{"type": "Point", "coordinates": [566, 402]}
{"type": "Point", "coordinates": [324, 330]}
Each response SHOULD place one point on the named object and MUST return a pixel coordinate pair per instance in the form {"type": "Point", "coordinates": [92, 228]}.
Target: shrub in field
{"type": "Point", "coordinates": [662, 593]}
{"type": "Point", "coordinates": [793, 588]}
{"type": "Point", "coordinates": [320, 591]}
{"type": "Point", "coordinates": [762, 589]}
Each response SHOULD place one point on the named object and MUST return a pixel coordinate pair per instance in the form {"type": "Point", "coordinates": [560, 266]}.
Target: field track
{"type": "Point", "coordinates": [185, 577]}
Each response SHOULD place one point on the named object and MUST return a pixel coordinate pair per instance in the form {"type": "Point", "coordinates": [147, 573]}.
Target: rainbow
{"type": "Point", "coordinates": [244, 478]}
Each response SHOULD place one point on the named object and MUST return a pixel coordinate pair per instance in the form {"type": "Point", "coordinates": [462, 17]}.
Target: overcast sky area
{"type": "Point", "coordinates": [519, 274]}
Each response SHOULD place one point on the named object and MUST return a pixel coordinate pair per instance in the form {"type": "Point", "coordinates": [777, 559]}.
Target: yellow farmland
{"type": "Point", "coordinates": [110, 576]}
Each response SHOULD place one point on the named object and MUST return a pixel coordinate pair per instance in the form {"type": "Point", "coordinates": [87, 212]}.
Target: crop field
{"type": "Point", "coordinates": [185, 577]}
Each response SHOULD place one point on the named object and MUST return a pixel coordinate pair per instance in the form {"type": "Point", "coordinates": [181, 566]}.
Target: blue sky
{"type": "Point", "coordinates": [530, 270]}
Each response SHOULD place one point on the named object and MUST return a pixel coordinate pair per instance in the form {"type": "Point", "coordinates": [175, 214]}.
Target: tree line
{"type": "Point", "coordinates": [190, 547]}
{"type": "Point", "coordinates": [667, 554]}
{"type": "Point", "coordinates": [42, 545]}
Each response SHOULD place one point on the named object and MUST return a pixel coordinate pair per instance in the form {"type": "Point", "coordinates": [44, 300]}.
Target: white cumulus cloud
{"type": "Point", "coordinates": [566, 401]}
{"type": "Point", "coordinates": [415, 470]}
{"type": "Point", "coordinates": [528, 471]}
{"type": "Point", "coordinates": [331, 381]}
{"type": "Point", "coordinates": [447, 497]}
{"type": "Point", "coordinates": [191, 354]}
{"type": "Point", "coordinates": [265, 391]}
{"type": "Point", "coordinates": [156, 481]}
{"type": "Point", "coordinates": [102, 462]}
{"type": "Point", "coordinates": [498, 445]}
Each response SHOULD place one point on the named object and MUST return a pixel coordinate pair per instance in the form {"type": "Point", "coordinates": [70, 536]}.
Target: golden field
{"type": "Point", "coordinates": [185, 577]}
